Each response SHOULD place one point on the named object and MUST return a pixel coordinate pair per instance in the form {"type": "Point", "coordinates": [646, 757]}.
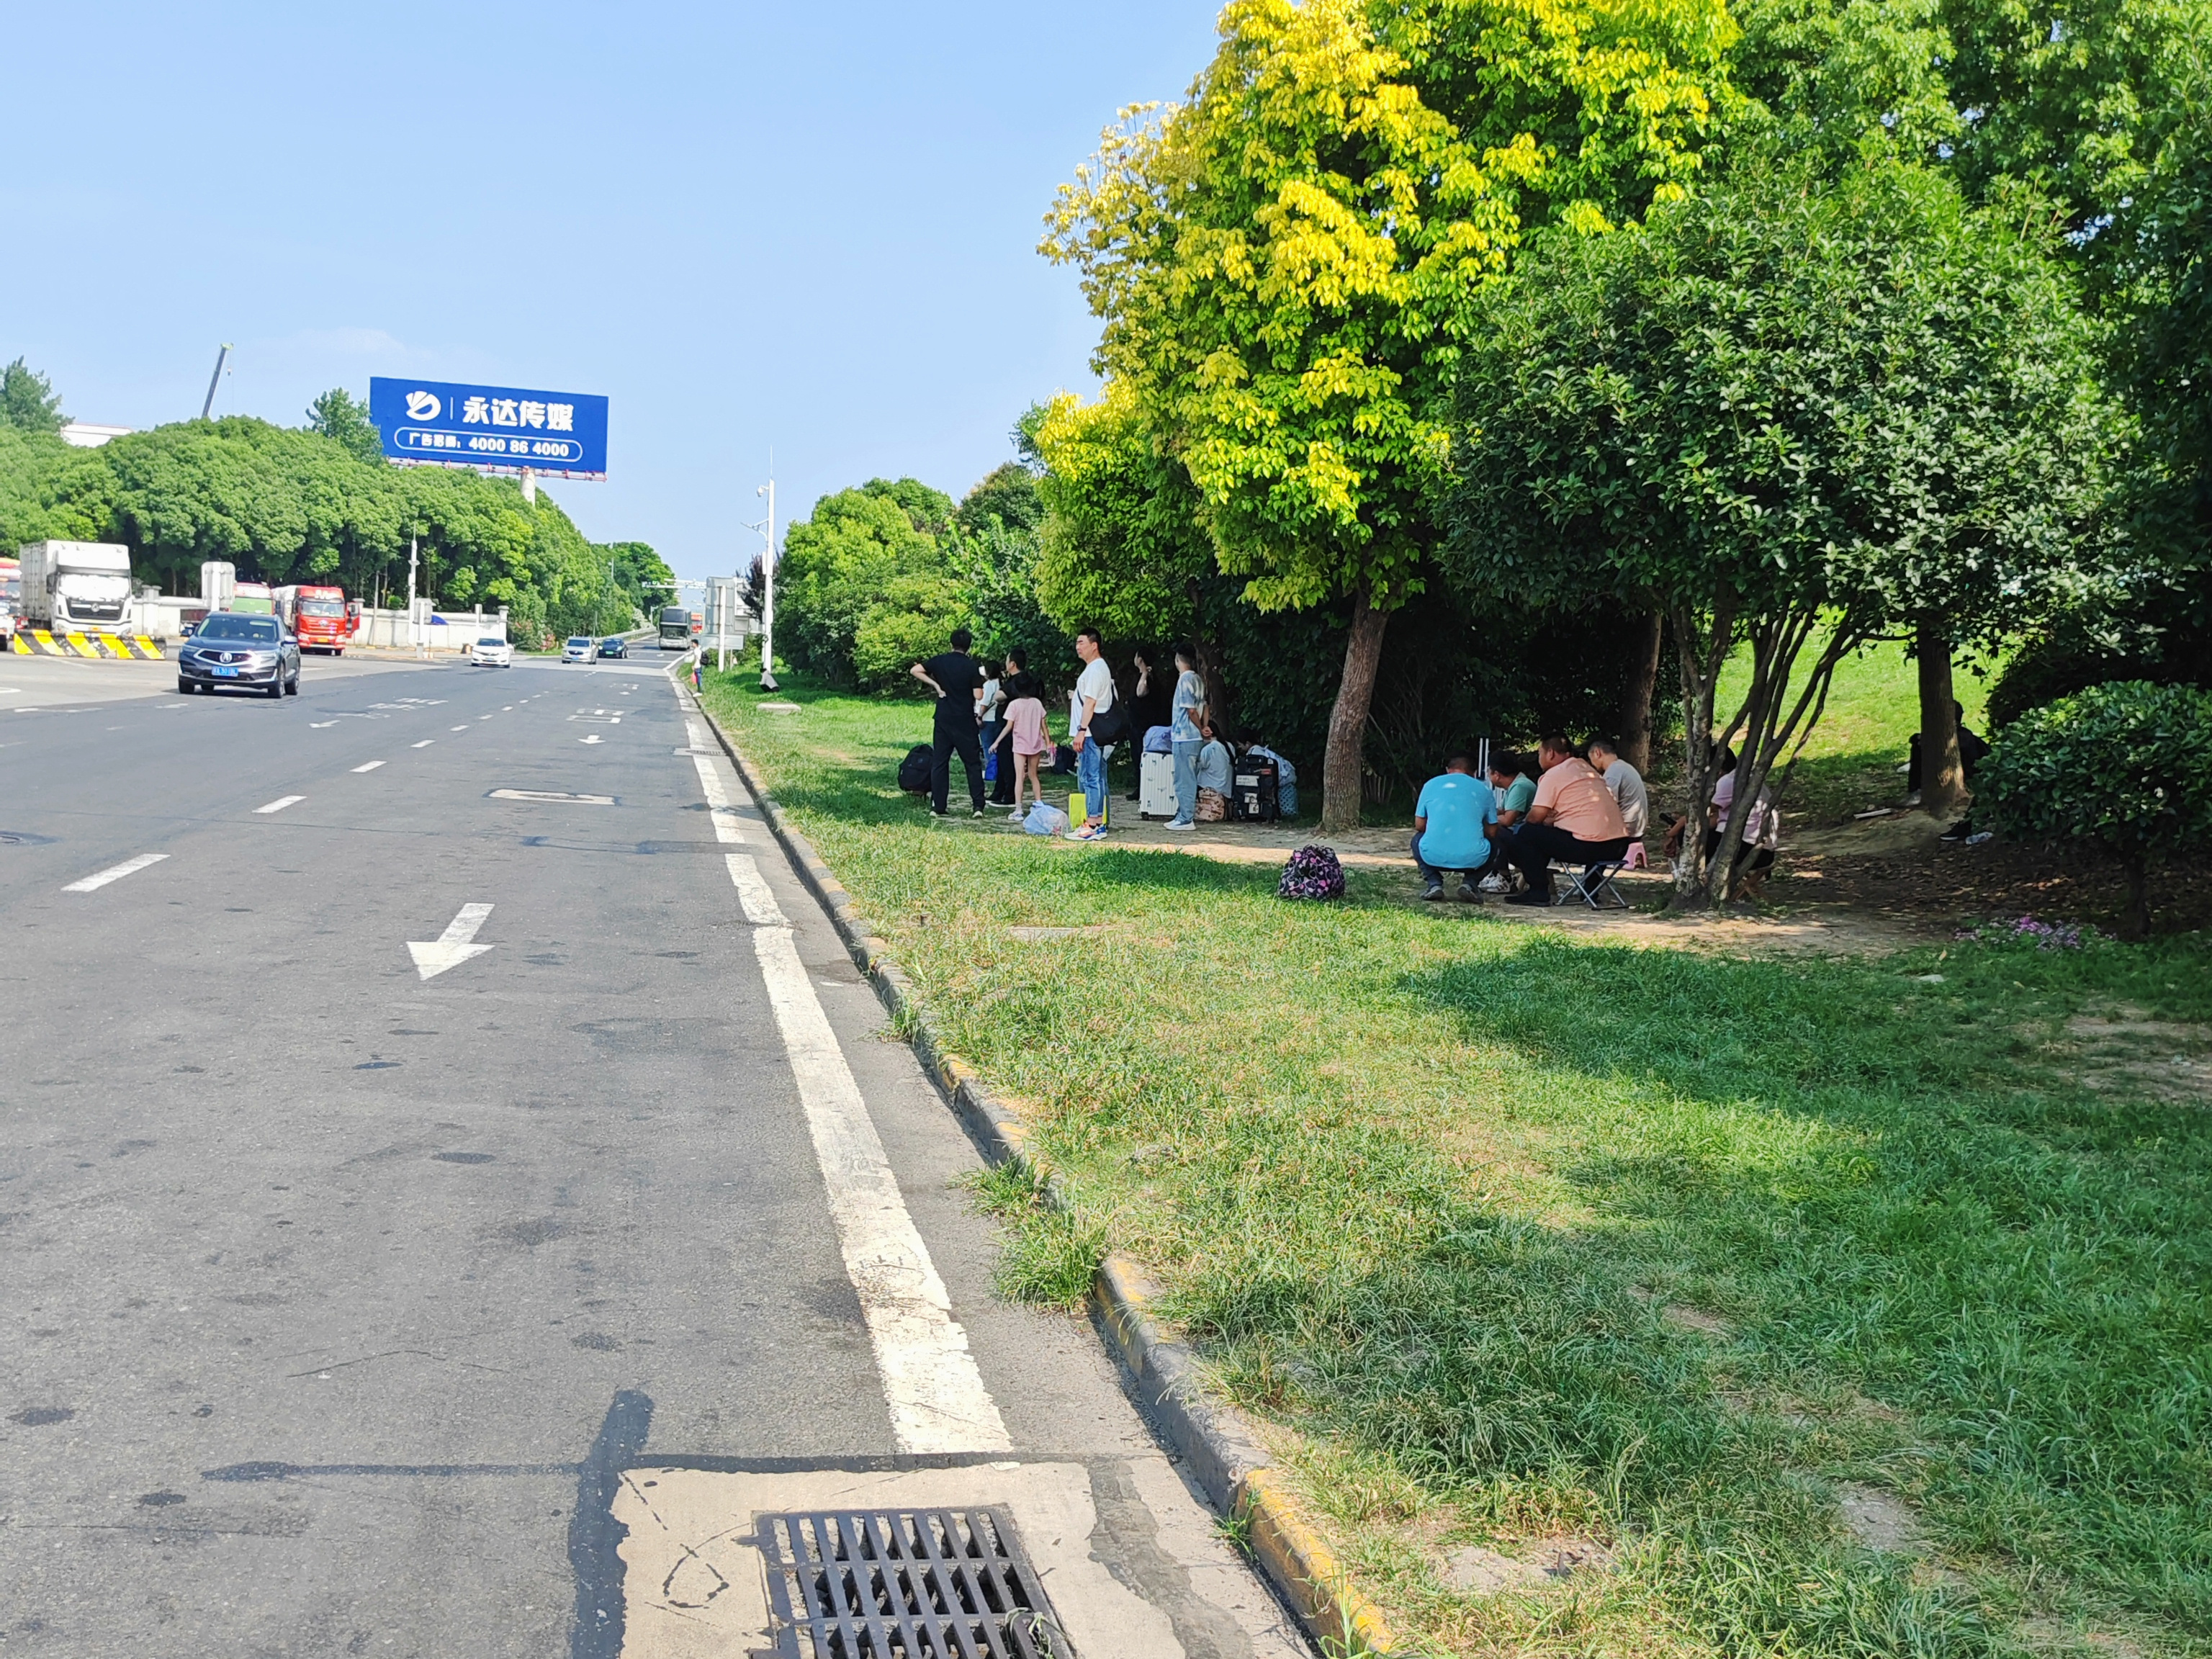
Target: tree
{"type": "Point", "coordinates": [2149, 748]}
{"type": "Point", "coordinates": [642, 576]}
{"type": "Point", "coordinates": [28, 401]}
{"type": "Point", "coordinates": [1287, 265]}
{"type": "Point", "coordinates": [839, 564]}
{"type": "Point", "coordinates": [1796, 416]}
{"type": "Point", "coordinates": [338, 416]}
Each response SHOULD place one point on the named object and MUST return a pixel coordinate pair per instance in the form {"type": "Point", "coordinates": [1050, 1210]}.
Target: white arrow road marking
{"type": "Point", "coordinates": [115, 872]}
{"type": "Point", "coordinates": [453, 947]}
{"type": "Point", "coordinates": [936, 1394]}
{"type": "Point", "coordinates": [368, 766]}
{"type": "Point", "coordinates": [594, 738]}
{"type": "Point", "coordinates": [281, 803]}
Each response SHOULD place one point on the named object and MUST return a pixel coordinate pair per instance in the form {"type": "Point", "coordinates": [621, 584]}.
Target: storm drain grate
{"type": "Point", "coordinates": [905, 1584]}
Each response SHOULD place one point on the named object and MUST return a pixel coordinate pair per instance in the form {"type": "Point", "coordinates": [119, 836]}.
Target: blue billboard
{"type": "Point", "coordinates": [493, 428]}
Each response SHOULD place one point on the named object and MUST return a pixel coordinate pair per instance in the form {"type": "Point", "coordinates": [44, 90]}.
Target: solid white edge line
{"type": "Point", "coordinates": [368, 767]}
{"type": "Point", "coordinates": [728, 828]}
{"type": "Point", "coordinates": [934, 1391]}
{"type": "Point", "coordinates": [115, 872]}
{"type": "Point", "coordinates": [932, 1385]}
{"type": "Point", "coordinates": [281, 803]}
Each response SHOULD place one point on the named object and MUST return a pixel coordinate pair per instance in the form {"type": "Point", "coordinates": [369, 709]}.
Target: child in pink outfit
{"type": "Point", "coordinates": [1025, 730]}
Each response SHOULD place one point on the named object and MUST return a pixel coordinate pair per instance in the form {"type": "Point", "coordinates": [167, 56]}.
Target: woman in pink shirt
{"type": "Point", "coordinates": [1025, 731]}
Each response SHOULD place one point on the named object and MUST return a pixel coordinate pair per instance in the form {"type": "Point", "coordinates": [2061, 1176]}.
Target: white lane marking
{"type": "Point", "coordinates": [552, 795]}
{"type": "Point", "coordinates": [760, 906]}
{"type": "Point", "coordinates": [931, 1383]}
{"type": "Point", "coordinates": [724, 816]}
{"type": "Point", "coordinates": [453, 946]}
{"type": "Point", "coordinates": [281, 803]}
{"type": "Point", "coordinates": [368, 766]}
{"type": "Point", "coordinates": [115, 872]}
{"type": "Point", "coordinates": [594, 738]}
{"type": "Point", "coordinates": [425, 743]}
{"type": "Point", "coordinates": [458, 728]}
{"type": "Point", "coordinates": [509, 709]}
{"type": "Point", "coordinates": [317, 726]}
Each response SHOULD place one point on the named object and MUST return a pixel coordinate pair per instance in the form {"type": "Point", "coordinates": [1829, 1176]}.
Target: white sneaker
{"type": "Point", "coordinates": [1179, 824]}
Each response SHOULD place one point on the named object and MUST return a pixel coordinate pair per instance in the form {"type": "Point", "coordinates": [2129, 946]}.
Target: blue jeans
{"type": "Point", "coordinates": [1090, 772]}
{"type": "Point", "coordinates": [1186, 774]}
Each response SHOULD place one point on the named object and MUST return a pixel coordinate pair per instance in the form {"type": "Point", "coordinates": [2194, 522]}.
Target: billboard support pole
{"type": "Point", "coordinates": [529, 487]}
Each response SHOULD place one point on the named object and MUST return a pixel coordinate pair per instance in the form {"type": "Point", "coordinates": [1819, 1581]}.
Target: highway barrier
{"type": "Point", "coordinates": [100, 648]}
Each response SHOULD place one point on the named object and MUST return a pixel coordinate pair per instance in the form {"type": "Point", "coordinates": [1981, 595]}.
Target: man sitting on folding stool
{"type": "Point", "coordinates": [1574, 820]}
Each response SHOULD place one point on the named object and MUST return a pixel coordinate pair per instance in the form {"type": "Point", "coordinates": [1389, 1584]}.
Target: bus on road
{"type": "Point", "coordinates": [679, 628]}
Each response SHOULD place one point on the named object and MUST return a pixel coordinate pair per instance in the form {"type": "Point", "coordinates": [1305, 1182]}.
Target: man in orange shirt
{"type": "Point", "coordinates": [1573, 819]}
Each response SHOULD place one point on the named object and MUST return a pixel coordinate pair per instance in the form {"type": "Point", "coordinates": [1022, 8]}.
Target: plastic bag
{"type": "Point", "coordinates": [1045, 819]}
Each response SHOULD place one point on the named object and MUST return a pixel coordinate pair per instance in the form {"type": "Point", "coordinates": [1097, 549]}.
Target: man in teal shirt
{"type": "Point", "coordinates": [1451, 828]}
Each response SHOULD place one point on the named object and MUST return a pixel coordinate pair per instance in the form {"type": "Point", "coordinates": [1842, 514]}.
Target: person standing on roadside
{"type": "Point", "coordinates": [1092, 699]}
{"type": "Point", "coordinates": [957, 680]}
{"type": "Point", "coordinates": [1184, 736]}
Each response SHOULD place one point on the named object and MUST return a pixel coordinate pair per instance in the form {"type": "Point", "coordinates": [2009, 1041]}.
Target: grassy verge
{"type": "Point", "coordinates": [1841, 1310]}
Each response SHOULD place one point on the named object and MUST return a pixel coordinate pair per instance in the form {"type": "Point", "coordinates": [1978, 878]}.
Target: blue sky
{"type": "Point", "coordinates": [806, 227]}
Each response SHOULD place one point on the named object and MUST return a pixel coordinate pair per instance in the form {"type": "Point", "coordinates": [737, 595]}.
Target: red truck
{"type": "Point", "coordinates": [320, 618]}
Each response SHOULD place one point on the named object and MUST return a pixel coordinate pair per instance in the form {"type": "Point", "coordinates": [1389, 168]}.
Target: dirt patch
{"type": "Point", "coordinates": [1474, 1570]}
{"type": "Point", "coordinates": [2125, 1050]}
{"type": "Point", "coordinates": [1880, 1520]}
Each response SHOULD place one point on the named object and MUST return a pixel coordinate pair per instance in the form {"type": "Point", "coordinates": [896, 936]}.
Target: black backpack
{"type": "Point", "coordinates": [914, 769]}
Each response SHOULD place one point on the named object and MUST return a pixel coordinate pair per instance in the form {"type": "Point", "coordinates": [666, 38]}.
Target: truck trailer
{"type": "Point", "coordinates": [76, 587]}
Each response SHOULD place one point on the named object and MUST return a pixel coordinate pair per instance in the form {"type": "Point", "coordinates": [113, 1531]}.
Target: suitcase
{"type": "Point", "coordinates": [1156, 796]}
{"type": "Point", "coordinates": [1252, 792]}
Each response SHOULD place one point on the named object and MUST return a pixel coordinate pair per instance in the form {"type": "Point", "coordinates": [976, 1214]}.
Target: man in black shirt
{"type": "Point", "coordinates": [957, 680]}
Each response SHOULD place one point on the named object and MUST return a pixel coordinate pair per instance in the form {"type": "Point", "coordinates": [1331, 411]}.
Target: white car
{"type": "Point", "coordinates": [579, 649]}
{"type": "Point", "coordinates": [488, 653]}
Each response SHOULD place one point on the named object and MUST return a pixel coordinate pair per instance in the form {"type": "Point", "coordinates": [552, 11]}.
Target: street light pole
{"type": "Point", "coordinates": [767, 588]}
{"type": "Point", "coordinates": [221, 358]}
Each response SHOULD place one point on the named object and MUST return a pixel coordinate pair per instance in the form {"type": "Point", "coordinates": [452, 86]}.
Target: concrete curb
{"type": "Point", "coordinates": [1228, 1461]}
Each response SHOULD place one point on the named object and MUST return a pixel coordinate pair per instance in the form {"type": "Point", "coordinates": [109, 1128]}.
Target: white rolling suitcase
{"type": "Point", "coordinates": [1155, 787]}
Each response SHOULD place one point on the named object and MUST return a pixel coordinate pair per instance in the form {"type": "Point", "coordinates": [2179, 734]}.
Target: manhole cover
{"type": "Point", "coordinates": [905, 1584]}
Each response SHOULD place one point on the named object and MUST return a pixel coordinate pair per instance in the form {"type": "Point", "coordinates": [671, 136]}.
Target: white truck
{"type": "Point", "coordinates": [76, 587]}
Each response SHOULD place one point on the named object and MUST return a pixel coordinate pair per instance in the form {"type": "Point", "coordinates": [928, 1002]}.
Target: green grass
{"type": "Point", "coordinates": [1509, 1237]}
{"type": "Point", "coordinates": [1873, 709]}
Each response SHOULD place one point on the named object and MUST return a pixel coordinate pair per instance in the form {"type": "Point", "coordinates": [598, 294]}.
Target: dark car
{"type": "Point", "coordinates": [613, 646]}
{"type": "Point", "coordinates": [233, 651]}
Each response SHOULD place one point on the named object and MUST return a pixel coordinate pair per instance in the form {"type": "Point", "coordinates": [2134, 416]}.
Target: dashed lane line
{"type": "Point", "coordinates": [370, 766]}
{"type": "Point", "coordinates": [425, 743]}
{"type": "Point", "coordinates": [280, 803]}
{"type": "Point", "coordinates": [115, 872]}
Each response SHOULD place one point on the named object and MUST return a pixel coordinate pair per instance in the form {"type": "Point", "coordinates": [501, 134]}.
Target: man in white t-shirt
{"type": "Point", "coordinates": [1093, 695]}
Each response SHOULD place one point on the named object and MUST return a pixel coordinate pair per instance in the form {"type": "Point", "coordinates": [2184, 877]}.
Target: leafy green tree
{"type": "Point", "coordinates": [1287, 265]}
{"type": "Point", "coordinates": [1794, 416]}
{"type": "Point", "coordinates": [2149, 750]}
{"type": "Point", "coordinates": [1007, 495]}
{"type": "Point", "coordinates": [338, 416]}
{"type": "Point", "coordinates": [839, 564]}
{"type": "Point", "coordinates": [29, 462]}
{"type": "Point", "coordinates": [645, 581]}
{"type": "Point", "coordinates": [28, 401]}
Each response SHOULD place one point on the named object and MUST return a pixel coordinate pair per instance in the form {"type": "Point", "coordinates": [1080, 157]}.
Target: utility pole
{"type": "Point", "coordinates": [221, 358]}
{"type": "Point", "coordinates": [413, 619]}
{"type": "Point", "coordinates": [768, 583]}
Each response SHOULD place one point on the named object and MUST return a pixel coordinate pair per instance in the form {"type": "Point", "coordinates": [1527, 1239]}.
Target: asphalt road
{"type": "Point", "coordinates": [344, 1305]}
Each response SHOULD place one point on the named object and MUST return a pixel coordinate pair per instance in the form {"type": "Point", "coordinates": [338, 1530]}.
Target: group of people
{"type": "Point", "coordinates": [1572, 810]}
{"type": "Point", "coordinates": [981, 711]}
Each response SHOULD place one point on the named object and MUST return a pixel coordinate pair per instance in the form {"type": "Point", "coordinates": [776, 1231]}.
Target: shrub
{"type": "Point", "coordinates": [2122, 771]}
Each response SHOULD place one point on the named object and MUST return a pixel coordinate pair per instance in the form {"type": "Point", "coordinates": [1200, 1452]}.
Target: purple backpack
{"type": "Point", "coordinates": [1312, 874]}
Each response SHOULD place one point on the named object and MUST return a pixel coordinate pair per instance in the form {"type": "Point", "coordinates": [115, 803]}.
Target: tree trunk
{"type": "Point", "coordinates": [1635, 738]}
{"type": "Point", "coordinates": [2134, 921]}
{"type": "Point", "coordinates": [1942, 778]}
{"type": "Point", "coordinates": [1347, 720]}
